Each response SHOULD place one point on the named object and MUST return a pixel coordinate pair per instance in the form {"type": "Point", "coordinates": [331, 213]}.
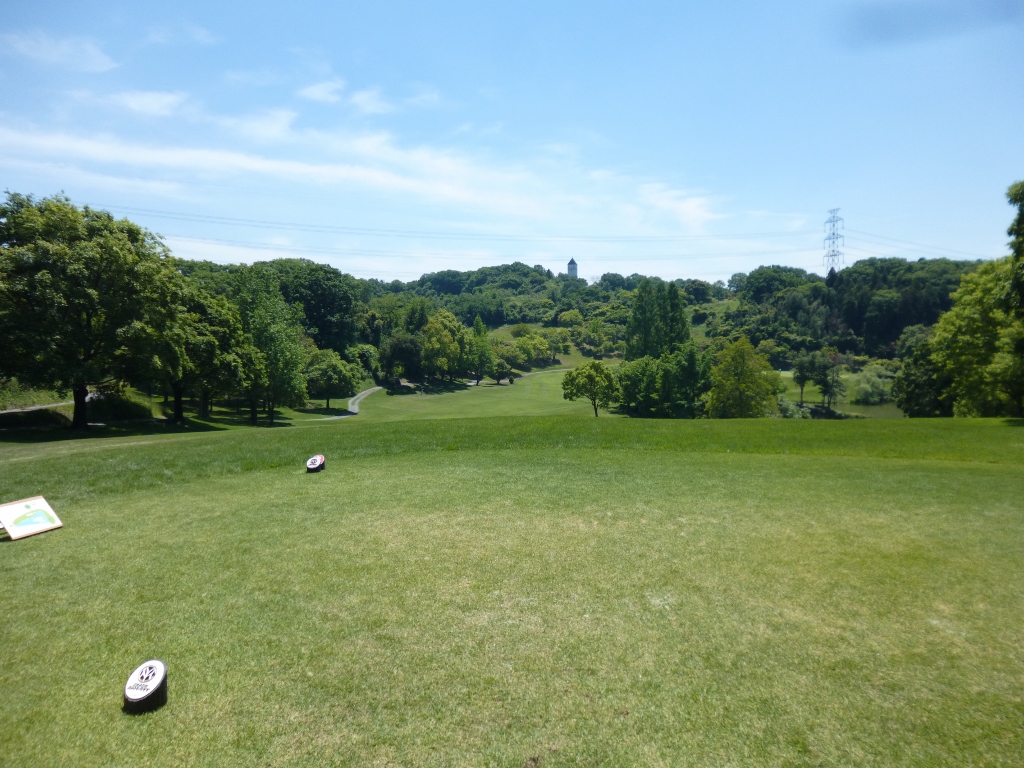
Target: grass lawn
{"type": "Point", "coordinates": [537, 394]}
{"type": "Point", "coordinates": [514, 591]}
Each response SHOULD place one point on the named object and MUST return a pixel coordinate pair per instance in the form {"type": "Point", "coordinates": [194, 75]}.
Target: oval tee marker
{"type": "Point", "coordinates": [146, 688]}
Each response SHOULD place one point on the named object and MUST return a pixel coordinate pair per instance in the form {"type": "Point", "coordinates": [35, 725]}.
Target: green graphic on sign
{"type": "Point", "coordinates": [34, 517]}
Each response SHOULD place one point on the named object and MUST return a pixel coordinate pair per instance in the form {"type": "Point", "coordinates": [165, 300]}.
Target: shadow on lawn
{"type": "Point", "coordinates": [323, 411]}
{"type": "Point", "coordinates": [1014, 422]}
{"type": "Point", "coordinates": [49, 433]}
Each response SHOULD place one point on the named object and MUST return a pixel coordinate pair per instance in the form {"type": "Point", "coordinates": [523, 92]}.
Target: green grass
{"type": "Point", "coordinates": [522, 591]}
{"type": "Point", "coordinates": [537, 394]}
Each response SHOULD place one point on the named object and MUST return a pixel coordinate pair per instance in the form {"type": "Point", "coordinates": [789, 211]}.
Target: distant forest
{"type": "Point", "coordinates": [92, 302]}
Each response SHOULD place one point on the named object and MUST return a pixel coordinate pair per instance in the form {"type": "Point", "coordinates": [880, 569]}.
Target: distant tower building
{"type": "Point", "coordinates": [572, 268]}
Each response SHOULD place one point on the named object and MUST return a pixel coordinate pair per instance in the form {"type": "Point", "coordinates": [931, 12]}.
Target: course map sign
{"type": "Point", "coordinates": [27, 517]}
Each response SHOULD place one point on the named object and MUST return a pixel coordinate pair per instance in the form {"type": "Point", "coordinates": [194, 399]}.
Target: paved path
{"type": "Point", "coordinates": [37, 407]}
{"type": "Point", "coordinates": [353, 405]}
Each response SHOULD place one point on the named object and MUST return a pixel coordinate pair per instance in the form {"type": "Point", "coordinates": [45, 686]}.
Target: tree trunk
{"type": "Point", "coordinates": [179, 408]}
{"type": "Point", "coordinates": [270, 410]}
{"type": "Point", "coordinates": [254, 411]}
{"type": "Point", "coordinates": [204, 404]}
{"type": "Point", "coordinates": [80, 419]}
{"type": "Point", "coordinates": [594, 403]}
{"type": "Point", "coordinates": [328, 402]}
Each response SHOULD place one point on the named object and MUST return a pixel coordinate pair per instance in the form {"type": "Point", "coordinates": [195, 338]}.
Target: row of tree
{"type": "Point", "coordinates": [737, 382]}
{"type": "Point", "coordinates": [89, 301]}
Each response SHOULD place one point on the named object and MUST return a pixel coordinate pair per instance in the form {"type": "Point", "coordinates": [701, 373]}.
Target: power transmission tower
{"type": "Point", "coordinates": [833, 256]}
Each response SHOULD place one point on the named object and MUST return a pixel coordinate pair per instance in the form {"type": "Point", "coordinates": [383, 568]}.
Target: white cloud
{"type": "Point", "coordinates": [377, 164]}
{"type": "Point", "coordinates": [274, 125]}
{"type": "Point", "coordinates": [200, 34]}
{"type": "Point", "coordinates": [165, 35]}
{"type": "Point", "coordinates": [74, 53]}
{"type": "Point", "coordinates": [152, 103]}
{"type": "Point", "coordinates": [370, 102]}
{"type": "Point", "coordinates": [693, 212]}
{"type": "Point", "coordinates": [425, 97]}
{"type": "Point", "coordinates": [328, 92]}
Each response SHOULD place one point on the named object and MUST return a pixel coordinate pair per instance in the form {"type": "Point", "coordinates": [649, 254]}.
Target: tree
{"type": "Point", "coordinates": [641, 330]}
{"type": "Point", "coordinates": [275, 331]}
{"type": "Point", "coordinates": [198, 350]}
{"type": "Point", "coordinates": [684, 377]}
{"type": "Point", "coordinates": [828, 375]}
{"type": "Point", "coordinates": [920, 385]}
{"type": "Point", "coordinates": [417, 315]}
{"type": "Point", "coordinates": [81, 295]}
{"type": "Point", "coordinates": [444, 345]}
{"type": "Point", "coordinates": [592, 381]}
{"type": "Point", "coordinates": [744, 384]}
{"type": "Point", "coordinates": [500, 370]}
{"type": "Point", "coordinates": [570, 318]}
{"type": "Point", "coordinates": [328, 299]}
{"type": "Point", "coordinates": [978, 345]}
{"type": "Point", "coordinates": [401, 355]}
{"type": "Point", "coordinates": [1015, 195]}
{"type": "Point", "coordinates": [674, 325]}
{"type": "Point", "coordinates": [327, 375]}
{"type": "Point", "coordinates": [638, 386]}
{"type": "Point", "coordinates": [480, 354]}
{"type": "Point", "coordinates": [803, 372]}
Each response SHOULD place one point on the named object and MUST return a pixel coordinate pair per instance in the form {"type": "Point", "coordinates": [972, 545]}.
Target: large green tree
{"type": "Point", "coordinates": [445, 345]}
{"type": "Point", "coordinates": [275, 329]}
{"type": "Point", "coordinates": [327, 375]}
{"type": "Point", "coordinates": [978, 344]}
{"type": "Point", "coordinates": [592, 381]}
{"type": "Point", "coordinates": [481, 357]}
{"type": "Point", "coordinates": [82, 295]}
{"type": "Point", "coordinates": [1016, 232]}
{"type": "Point", "coordinates": [744, 384]}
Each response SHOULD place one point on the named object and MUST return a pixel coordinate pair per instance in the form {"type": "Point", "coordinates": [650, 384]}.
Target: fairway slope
{"type": "Point", "coordinates": [523, 591]}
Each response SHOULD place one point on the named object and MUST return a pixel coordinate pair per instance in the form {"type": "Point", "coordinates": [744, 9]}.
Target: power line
{"type": "Point", "coordinates": [928, 248]}
{"type": "Point", "coordinates": [447, 255]}
{"type": "Point", "coordinates": [324, 228]}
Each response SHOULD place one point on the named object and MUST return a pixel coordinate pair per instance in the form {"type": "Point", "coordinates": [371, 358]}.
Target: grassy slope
{"type": "Point", "coordinates": [538, 394]}
{"type": "Point", "coordinates": [487, 591]}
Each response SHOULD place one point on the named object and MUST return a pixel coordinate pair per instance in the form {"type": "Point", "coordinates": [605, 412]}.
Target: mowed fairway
{"type": "Point", "coordinates": [535, 591]}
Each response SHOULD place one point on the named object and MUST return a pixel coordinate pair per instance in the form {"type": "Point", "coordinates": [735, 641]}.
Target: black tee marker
{"type": "Point", "coordinates": [146, 688]}
{"type": "Point", "coordinates": [315, 463]}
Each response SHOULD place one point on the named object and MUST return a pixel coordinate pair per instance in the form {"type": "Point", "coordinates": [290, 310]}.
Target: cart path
{"type": "Point", "coordinates": [37, 407]}
{"type": "Point", "coordinates": [353, 405]}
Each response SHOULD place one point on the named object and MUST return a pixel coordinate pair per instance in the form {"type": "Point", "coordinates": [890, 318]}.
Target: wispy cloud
{"type": "Point", "coordinates": [424, 97]}
{"type": "Point", "coordinates": [889, 22]}
{"type": "Point", "coordinates": [693, 212]}
{"type": "Point", "coordinates": [75, 53]}
{"type": "Point", "coordinates": [152, 103]}
{"type": "Point", "coordinates": [327, 92]}
{"type": "Point", "coordinates": [271, 126]}
{"type": "Point", "coordinates": [377, 164]}
{"type": "Point", "coordinates": [371, 102]}
{"type": "Point", "coordinates": [169, 34]}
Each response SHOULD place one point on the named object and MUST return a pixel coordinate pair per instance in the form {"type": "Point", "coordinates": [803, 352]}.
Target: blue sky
{"type": "Point", "coordinates": [391, 139]}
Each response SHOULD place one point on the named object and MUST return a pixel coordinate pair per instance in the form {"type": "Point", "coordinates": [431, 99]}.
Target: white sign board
{"type": "Point", "coordinates": [27, 517]}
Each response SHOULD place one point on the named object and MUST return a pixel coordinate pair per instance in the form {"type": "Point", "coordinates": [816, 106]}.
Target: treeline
{"type": "Point", "coordinates": [971, 362]}
{"type": "Point", "coordinates": [91, 302]}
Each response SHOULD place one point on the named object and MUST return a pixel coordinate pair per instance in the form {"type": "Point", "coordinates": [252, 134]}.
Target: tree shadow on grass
{"type": "Point", "coordinates": [55, 432]}
{"type": "Point", "coordinates": [324, 411]}
{"type": "Point", "coordinates": [1014, 422]}
{"type": "Point", "coordinates": [443, 387]}
{"type": "Point", "coordinates": [402, 389]}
